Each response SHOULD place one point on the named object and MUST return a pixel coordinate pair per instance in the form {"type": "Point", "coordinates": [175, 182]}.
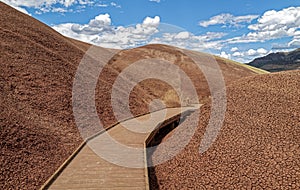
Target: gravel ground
{"type": "Point", "coordinates": [258, 146]}
{"type": "Point", "coordinates": [38, 65]}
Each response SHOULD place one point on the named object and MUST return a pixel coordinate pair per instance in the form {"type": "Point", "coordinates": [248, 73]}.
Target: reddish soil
{"type": "Point", "coordinates": [258, 146]}
{"type": "Point", "coordinates": [38, 65]}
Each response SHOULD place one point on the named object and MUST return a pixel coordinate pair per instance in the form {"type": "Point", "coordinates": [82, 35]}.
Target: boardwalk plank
{"type": "Point", "coordinates": [89, 171]}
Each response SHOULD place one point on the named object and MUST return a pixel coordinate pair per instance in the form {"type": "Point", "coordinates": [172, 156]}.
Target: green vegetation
{"type": "Point", "coordinates": [254, 69]}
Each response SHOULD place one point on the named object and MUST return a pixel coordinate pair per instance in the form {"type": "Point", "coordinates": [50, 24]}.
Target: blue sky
{"type": "Point", "coordinates": [237, 29]}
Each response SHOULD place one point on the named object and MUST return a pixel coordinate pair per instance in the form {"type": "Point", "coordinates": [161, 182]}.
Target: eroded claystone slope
{"type": "Point", "coordinates": [257, 148]}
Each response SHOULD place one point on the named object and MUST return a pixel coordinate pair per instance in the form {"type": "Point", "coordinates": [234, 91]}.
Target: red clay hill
{"type": "Point", "coordinates": [258, 146]}
{"type": "Point", "coordinates": [38, 66]}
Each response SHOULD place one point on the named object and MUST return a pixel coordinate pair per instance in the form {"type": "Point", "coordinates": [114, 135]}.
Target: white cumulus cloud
{"type": "Point", "coordinates": [204, 42]}
{"type": "Point", "coordinates": [40, 3]}
{"type": "Point", "coordinates": [20, 9]}
{"type": "Point", "coordinates": [61, 6]}
{"type": "Point", "coordinates": [272, 25]}
{"type": "Point", "coordinates": [225, 55]}
{"type": "Point", "coordinates": [295, 43]}
{"type": "Point", "coordinates": [182, 35]}
{"type": "Point", "coordinates": [100, 23]}
{"type": "Point", "coordinates": [234, 49]}
{"type": "Point", "coordinates": [248, 55]}
{"type": "Point", "coordinates": [251, 53]}
{"type": "Point", "coordinates": [228, 19]}
{"type": "Point", "coordinates": [151, 22]}
{"type": "Point", "coordinates": [99, 31]}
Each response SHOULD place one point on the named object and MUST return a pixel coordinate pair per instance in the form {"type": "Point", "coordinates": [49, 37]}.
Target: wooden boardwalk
{"type": "Point", "coordinates": [90, 171]}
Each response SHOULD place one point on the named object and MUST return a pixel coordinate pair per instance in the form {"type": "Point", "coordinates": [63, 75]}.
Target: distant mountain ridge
{"type": "Point", "coordinates": [280, 61]}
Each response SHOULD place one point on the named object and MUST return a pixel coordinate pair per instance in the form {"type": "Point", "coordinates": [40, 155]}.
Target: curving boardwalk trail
{"type": "Point", "coordinates": [90, 171]}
